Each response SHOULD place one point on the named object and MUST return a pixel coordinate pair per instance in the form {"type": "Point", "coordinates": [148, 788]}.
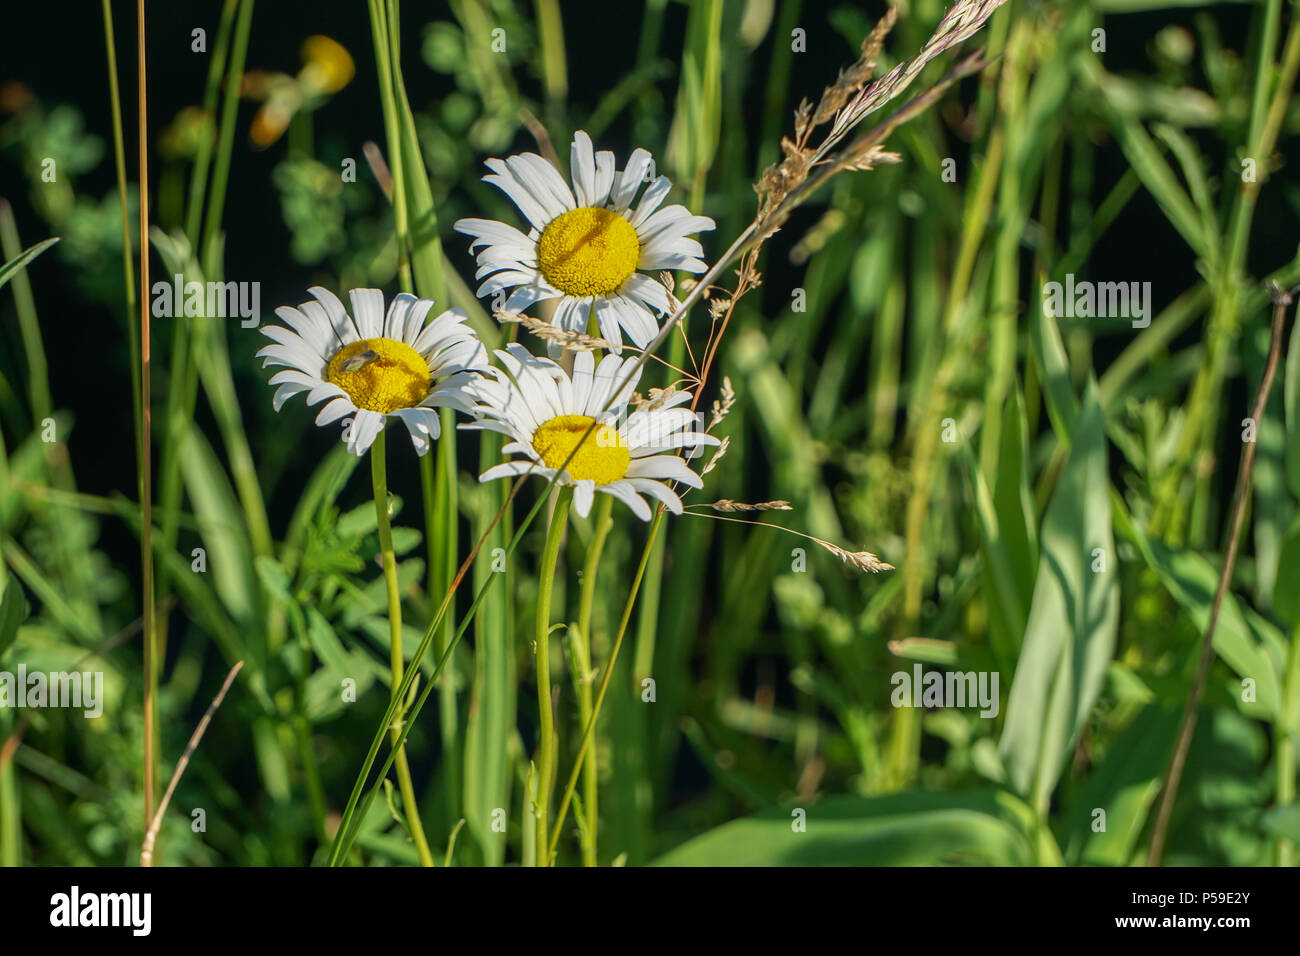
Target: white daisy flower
{"type": "Point", "coordinates": [587, 242]}
{"type": "Point", "coordinates": [376, 365]}
{"type": "Point", "coordinates": [547, 413]}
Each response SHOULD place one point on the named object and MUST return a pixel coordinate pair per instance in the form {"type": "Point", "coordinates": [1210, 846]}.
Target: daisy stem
{"type": "Point", "coordinates": [379, 477]}
{"type": "Point", "coordinates": [585, 676]}
{"type": "Point", "coordinates": [546, 723]}
{"type": "Point", "coordinates": [589, 731]}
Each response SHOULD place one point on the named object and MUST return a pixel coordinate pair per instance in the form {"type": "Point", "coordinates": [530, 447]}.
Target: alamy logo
{"type": "Point", "coordinates": [1102, 300]}
{"type": "Point", "coordinates": [84, 690]}
{"type": "Point", "coordinates": [72, 909]}
{"type": "Point", "coordinates": [216, 300]}
{"type": "Point", "coordinates": [946, 689]}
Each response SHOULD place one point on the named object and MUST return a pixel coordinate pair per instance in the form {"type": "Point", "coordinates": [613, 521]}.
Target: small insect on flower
{"type": "Point", "coordinates": [376, 365]}
{"type": "Point", "coordinates": [587, 242]}
{"type": "Point", "coordinates": [550, 417]}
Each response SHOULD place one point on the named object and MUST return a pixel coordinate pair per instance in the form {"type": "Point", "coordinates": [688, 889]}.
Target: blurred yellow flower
{"type": "Point", "coordinates": [328, 67]}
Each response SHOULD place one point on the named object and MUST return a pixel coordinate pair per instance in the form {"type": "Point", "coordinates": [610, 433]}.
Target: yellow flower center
{"type": "Point", "coordinates": [602, 457]}
{"type": "Point", "coordinates": [588, 252]}
{"type": "Point", "coordinates": [381, 375]}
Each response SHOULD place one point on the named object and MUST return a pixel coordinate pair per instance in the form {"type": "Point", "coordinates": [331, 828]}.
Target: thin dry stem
{"type": "Point", "coordinates": [146, 850]}
{"type": "Point", "coordinates": [1173, 776]}
{"type": "Point", "coordinates": [146, 456]}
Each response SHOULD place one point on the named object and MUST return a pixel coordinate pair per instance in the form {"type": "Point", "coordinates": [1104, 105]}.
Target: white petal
{"type": "Point", "coordinates": [368, 310]}
{"type": "Point", "coordinates": [284, 393]}
{"type": "Point", "coordinates": [336, 315]}
{"type": "Point", "coordinates": [650, 200]}
{"type": "Point", "coordinates": [624, 492]}
{"type": "Point", "coordinates": [672, 220]}
{"type": "Point", "coordinates": [528, 295]}
{"type": "Point", "coordinates": [584, 365]}
{"type": "Point", "coordinates": [644, 289]}
{"type": "Point", "coordinates": [296, 354]}
{"type": "Point", "coordinates": [607, 322]}
{"type": "Point", "coordinates": [423, 425]}
{"type": "Point", "coordinates": [545, 182]}
{"type": "Point", "coordinates": [584, 492]}
{"type": "Point", "coordinates": [582, 168]}
{"type": "Point", "coordinates": [506, 279]}
{"type": "Point", "coordinates": [664, 466]}
{"type": "Point", "coordinates": [513, 469]}
{"type": "Point", "coordinates": [318, 335]}
{"type": "Point", "coordinates": [366, 426]}
{"type": "Point", "coordinates": [631, 180]}
{"type": "Point", "coordinates": [338, 332]}
{"type": "Point", "coordinates": [604, 178]}
{"type": "Point", "coordinates": [495, 235]}
{"type": "Point", "coordinates": [297, 377]}
{"type": "Point", "coordinates": [506, 180]}
{"type": "Point", "coordinates": [638, 320]}
{"type": "Point", "coordinates": [335, 409]}
{"type": "Point", "coordinates": [657, 489]}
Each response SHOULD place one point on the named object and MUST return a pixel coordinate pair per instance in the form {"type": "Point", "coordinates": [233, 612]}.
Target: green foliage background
{"type": "Point", "coordinates": [1053, 493]}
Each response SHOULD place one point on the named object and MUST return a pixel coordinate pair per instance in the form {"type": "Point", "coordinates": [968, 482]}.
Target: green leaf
{"type": "Point", "coordinates": [21, 261]}
{"type": "Point", "coordinates": [274, 576]}
{"type": "Point", "coordinates": [1248, 643]}
{"type": "Point", "coordinates": [1148, 162]}
{"type": "Point", "coordinates": [1073, 619]}
{"type": "Point", "coordinates": [1008, 535]}
{"type": "Point", "coordinates": [1271, 509]}
{"type": "Point", "coordinates": [1054, 371]}
{"type": "Point", "coordinates": [1286, 589]}
{"type": "Point", "coordinates": [1283, 822]}
{"type": "Point", "coordinates": [13, 611]}
{"type": "Point", "coordinates": [326, 643]}
{"type": "Point", "coordinates": [221, 524]}
{"type": "Point", "coordinates": [1124, 784]}
{"type": "Point", "coordinates": [917, 828]}
{"type": "Point", "coordinates": [405, 539]}
{"type": "Point", "coordinates": [1291, 405]}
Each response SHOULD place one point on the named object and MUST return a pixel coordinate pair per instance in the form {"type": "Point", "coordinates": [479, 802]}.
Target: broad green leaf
{"type": "Point", "coordinates": [902, 829]}
{"type": "Point", "coordinates": [1124, 785]}
{"type": "Point", "coordinates": [221, 525]}
{"type": "Point", "coordinates": [1073, 618]}
{"type": "Point", "coordinates": [1006, 519]}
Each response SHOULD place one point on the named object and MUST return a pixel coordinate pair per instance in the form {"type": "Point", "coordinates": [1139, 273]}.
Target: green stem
{"type": "Point", "coordinates": [1286, 747]}
{"type": "Point", "coordinates": [589, 731]}
{"type": "Point", "coordinates": [550, 28]}
{"type": "Point", "coordinates": [546, 723]}
{"type": "Point", "coordinates": [379, 477]}
{"type": "Point", "coordinates": [128, 268]}
{"type": "Point", "coordinates": [584, 676]}
{"type": "Point", "coordinates": [199, 179]}
{"type": "Point", "coordinates": [206, 251]}
{"type": "Point", "coordinates": [1168, 520]}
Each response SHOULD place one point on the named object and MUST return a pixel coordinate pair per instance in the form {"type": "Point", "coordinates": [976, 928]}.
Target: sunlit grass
{"type": "Point", "coordinates": [893, 377]}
